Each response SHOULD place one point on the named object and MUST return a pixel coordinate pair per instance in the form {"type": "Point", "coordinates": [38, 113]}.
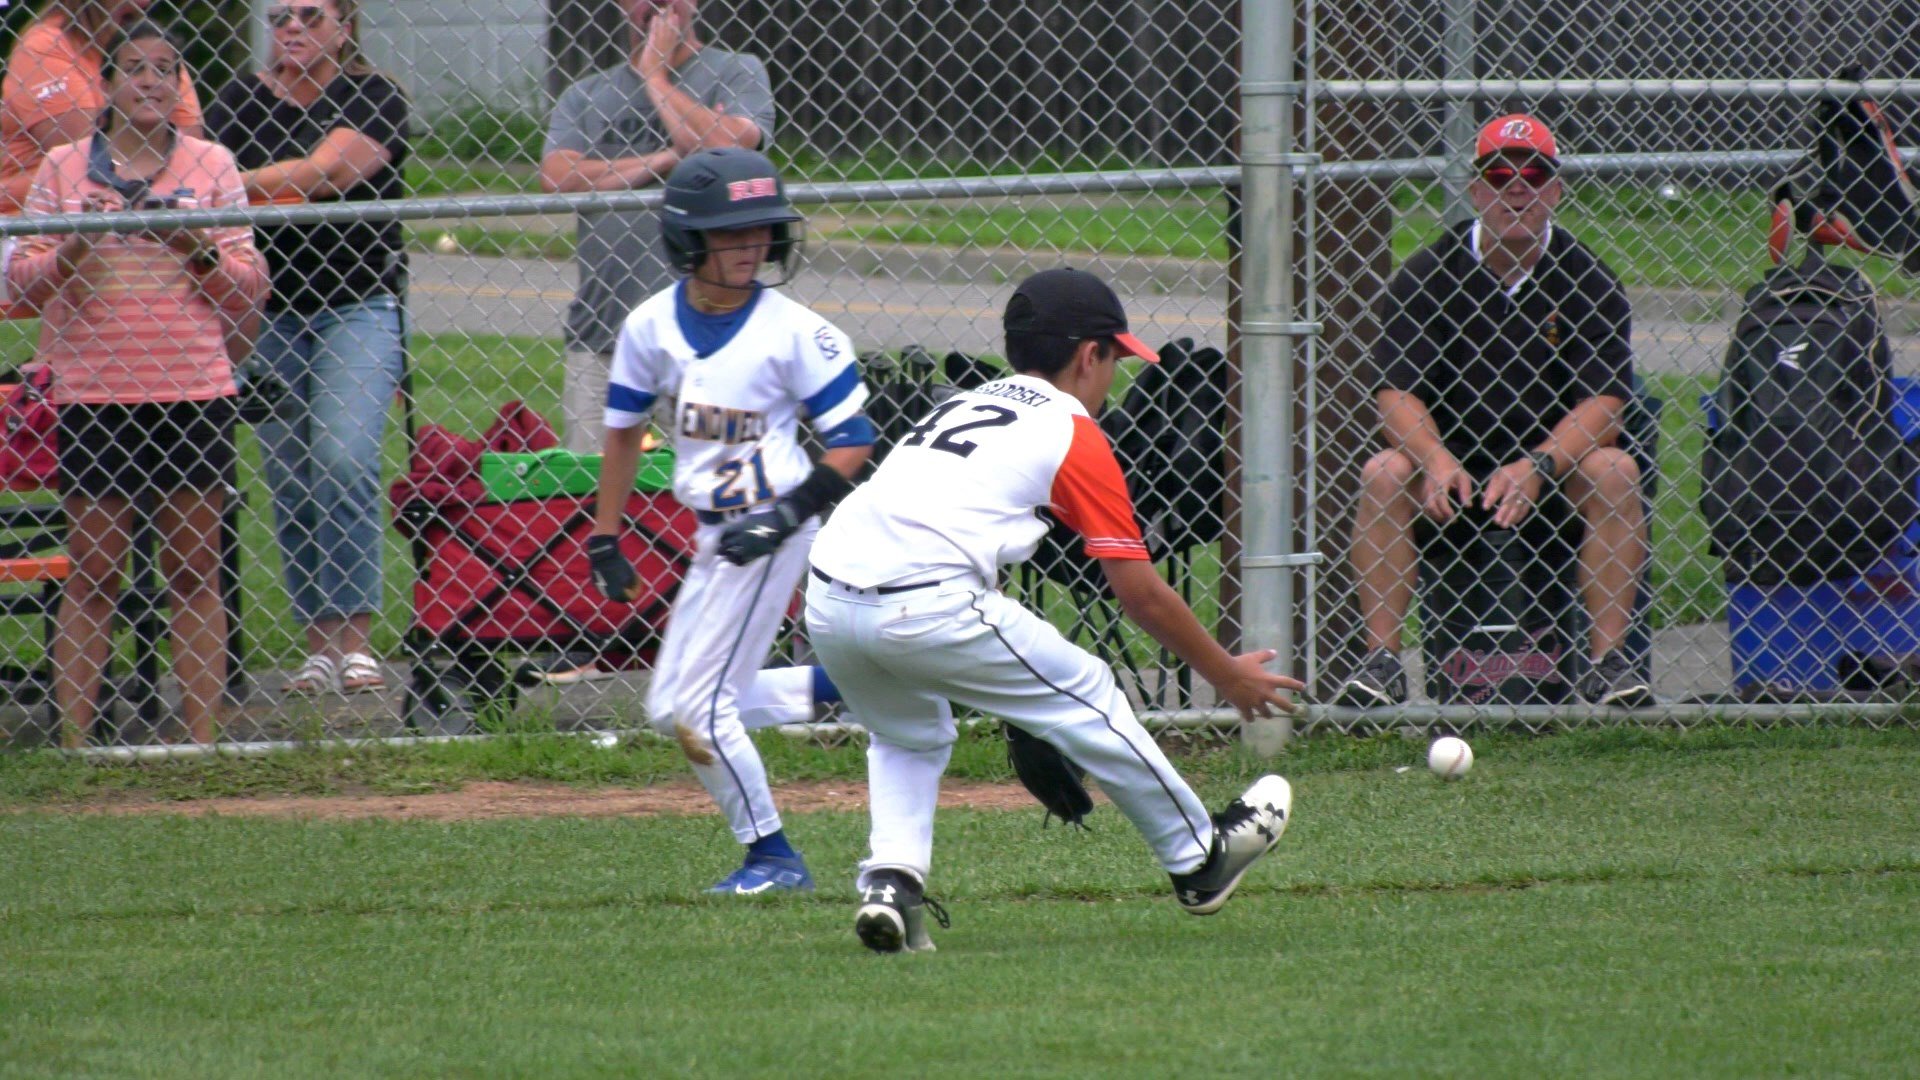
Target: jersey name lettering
{"type": "Point", "coordinates": [1012, 392]}
{"type": "Point", "coordinates": [715, 423]}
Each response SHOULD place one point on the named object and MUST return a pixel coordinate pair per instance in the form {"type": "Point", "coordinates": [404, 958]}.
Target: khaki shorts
{"type": "Point", "coordinates": [583, 400]}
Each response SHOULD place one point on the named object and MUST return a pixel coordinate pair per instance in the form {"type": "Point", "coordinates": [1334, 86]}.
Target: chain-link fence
{"type": "Point", "coordinates": [453, 211]}
{"type": "Point", "coordinates": [1736, 543]}
{"type": "Point", "coordinates": [460, 221]}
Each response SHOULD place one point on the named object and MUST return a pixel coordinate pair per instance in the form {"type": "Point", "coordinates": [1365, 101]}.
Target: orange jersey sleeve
{"type": "Point", "coordinates": [1090, 496]}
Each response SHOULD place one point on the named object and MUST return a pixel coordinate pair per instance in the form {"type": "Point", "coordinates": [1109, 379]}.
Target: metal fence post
{"type": "Point", "coordinates": [1457, 42]}
{"type": "Point", "coordinates": [1267, 94]}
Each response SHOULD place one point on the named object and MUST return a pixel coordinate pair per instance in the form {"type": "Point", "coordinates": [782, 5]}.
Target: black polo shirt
{"type": "Point", "coordinates": [320, 266]}
{"type": "Point", "coordinates": [1499, 369]}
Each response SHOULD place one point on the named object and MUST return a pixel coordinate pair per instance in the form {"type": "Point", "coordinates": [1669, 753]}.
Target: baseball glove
{"type": "Point", "coordinates": [1049, 776]}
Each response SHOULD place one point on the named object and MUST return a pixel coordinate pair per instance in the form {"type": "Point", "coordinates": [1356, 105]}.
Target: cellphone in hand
{"type": "Point", "coordinates": [158, 202]}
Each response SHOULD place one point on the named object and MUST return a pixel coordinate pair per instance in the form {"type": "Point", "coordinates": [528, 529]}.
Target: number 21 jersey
{"type": "Point", "coordinates": [962, 490]}
{"type": "Point", "coordinates": [737, 407]}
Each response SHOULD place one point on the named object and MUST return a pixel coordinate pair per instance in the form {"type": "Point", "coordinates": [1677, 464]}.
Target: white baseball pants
{"type": "Point", "coordinates": [899, 660]}
{"type": "Point", "coordinates": [722, 627]}
{"type": "Point", "coordinates": [781, 695]}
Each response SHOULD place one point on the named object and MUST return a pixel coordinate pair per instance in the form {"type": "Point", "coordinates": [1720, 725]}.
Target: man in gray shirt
{"type": "Point", "coordinates": [625, 128]}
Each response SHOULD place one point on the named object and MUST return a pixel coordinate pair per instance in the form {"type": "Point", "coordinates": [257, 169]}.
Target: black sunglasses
{"type": "Point", "coordinates": [308, 14]}
{"type": "Point", "coordinates": [1534, 174]}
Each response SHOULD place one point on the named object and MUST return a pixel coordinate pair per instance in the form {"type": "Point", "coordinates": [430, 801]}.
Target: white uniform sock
{"type": "Point", "coordinates": [905, 788]}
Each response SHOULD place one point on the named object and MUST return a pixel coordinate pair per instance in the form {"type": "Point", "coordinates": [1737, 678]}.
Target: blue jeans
{"type": "Point", "coordinates": [323, 452]}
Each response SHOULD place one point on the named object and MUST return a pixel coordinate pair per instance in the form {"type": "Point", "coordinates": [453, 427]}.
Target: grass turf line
{"type": "Point", "coordinates": [1729, 903]}
{"type": "Point", "coordinates": [35, 779]}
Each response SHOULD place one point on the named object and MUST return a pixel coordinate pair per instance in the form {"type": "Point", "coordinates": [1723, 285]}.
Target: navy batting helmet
{"type": "Point", "coordinates": [729, 188]}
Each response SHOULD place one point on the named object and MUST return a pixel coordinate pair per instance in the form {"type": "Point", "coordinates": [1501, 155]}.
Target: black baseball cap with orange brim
{"type": "Point", "coordinates": [1070, 303]}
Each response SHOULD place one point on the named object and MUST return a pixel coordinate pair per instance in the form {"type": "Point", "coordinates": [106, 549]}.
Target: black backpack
{"type": "Point", "coordinates": [1853, 189]}
{"type": "Point", "coordinates": [1170, 434]}
{"type": "Point", "coordinates": [905, 391]}
{"type": "Point", "coordinates": [1806, 478]}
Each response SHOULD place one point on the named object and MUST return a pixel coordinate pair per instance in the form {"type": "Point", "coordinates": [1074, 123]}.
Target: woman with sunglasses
{"type": "Point", "coordinates": [320, 124]}
{"type": "Point", "coordinates": [1502, 370]}
{"type": "Point", "coordinates": [54, 91]}
{"type": "Point", "coordinates": [138, 329]}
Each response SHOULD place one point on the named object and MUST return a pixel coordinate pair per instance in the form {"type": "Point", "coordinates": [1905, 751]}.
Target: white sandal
{"type": "Point", "coordinates": [317, 676]}
{"type": "Point", "coordinates": [360, 674]}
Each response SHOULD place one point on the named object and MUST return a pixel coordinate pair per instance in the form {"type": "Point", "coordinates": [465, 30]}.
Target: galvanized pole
{"type": "Point", "coordinates": [1267, 96]}
{"type": "Point", "coordinates": [259, 35]}
{"type": "Point", "coordinates": [1457, 45]}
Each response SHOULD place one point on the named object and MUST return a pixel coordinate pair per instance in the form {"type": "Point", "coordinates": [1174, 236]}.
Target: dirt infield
{"type": "Point", "coordinates": [485, 800]}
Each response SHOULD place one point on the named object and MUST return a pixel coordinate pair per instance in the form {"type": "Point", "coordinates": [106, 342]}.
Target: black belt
{"type": "Point", "coordinates": [720, 517]}
{"type": "Point", "coordinates": [883, 590]}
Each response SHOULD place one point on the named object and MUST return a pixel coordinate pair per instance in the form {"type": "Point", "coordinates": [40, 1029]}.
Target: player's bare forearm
{"type": "Point", "coordinates": [1154, 607]}
{"type": "Point", "coordinates": [1592, 424]}
{"type": "Point", "coordinates": [847, 460]}
{"type": "Point", "coordinates": [619, 464]}
{"type": "Point", "coordinates": [1241, 680]}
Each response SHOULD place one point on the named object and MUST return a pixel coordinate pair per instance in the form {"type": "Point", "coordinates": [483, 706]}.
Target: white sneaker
{"type": "Point", "coordinates": [1247, 829]}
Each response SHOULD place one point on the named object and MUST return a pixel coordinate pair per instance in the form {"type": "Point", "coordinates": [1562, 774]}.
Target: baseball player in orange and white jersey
{"type": "Point", "coordinates": [904, 613]}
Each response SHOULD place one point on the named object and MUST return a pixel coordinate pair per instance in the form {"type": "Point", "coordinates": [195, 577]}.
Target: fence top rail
{"type": "Point", "coordinates": [1204, 178]}
{"type": "Point", "coordinates": [1488, 89]}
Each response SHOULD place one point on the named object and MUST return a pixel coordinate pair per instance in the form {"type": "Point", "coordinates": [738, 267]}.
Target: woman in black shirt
{"type": "Point", "coordinates": [321, 125]}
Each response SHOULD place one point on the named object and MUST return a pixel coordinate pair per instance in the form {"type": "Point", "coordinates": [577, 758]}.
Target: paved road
{"type": "Point", "coordinates": [944, 301]}
{"type": "Point", "coordinates": [897, 304]}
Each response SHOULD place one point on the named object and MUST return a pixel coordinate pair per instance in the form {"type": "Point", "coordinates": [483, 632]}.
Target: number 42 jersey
{"type": "Point", "coordinates": [961, 491]}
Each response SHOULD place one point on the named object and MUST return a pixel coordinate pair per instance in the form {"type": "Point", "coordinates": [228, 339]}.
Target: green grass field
{"type": "Point", "coordinates": [1725, 903]}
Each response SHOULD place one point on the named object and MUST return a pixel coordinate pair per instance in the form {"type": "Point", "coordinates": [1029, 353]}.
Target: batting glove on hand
{"type": "Point", "coordinates": [612, 574]}
{"type": "Point", "coordinates": [759, 533]}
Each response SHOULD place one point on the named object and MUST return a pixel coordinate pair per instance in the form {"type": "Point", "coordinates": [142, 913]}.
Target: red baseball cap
{"type": "Point", "coordinates": [1516, 132]}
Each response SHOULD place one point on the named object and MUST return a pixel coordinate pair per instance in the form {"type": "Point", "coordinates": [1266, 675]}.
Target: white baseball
{"type": "Point", "coordinates": [446, 245]}
{"type": "Point", "coordinates": [606, 740]}
{"type": "Point", "coordinates": [1449, 758]}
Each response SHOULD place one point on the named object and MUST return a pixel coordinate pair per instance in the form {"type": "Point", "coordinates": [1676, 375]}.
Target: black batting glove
{"type": "Point", "coordinates": [612, 574]}
{"type": "Point", "coordinates": [759, 533]}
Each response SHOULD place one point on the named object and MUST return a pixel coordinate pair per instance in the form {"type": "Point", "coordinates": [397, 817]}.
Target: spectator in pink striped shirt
{"type": "Point", "coordinates": [140, 331]}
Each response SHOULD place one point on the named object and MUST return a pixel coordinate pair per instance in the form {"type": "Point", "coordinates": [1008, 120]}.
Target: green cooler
{"type": "Point", "coordinates": [551, 473]}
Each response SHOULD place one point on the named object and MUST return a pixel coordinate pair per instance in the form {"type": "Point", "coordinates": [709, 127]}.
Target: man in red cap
{"type": "Point", "coordinates": [1501, 372]}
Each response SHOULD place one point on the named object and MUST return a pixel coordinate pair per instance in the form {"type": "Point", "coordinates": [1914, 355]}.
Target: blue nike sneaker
{"type": "Point", "coordinates": [766, 874]}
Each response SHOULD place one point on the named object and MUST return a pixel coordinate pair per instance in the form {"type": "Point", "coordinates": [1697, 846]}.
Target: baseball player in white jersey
{"type": "Point", "coordinates": [742, 363]}
{"type": "Point", "coordinates": [904, 613]}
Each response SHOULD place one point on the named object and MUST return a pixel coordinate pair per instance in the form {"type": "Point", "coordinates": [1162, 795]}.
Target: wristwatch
{"type": "Point", "coordinates": [1544, 465]}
